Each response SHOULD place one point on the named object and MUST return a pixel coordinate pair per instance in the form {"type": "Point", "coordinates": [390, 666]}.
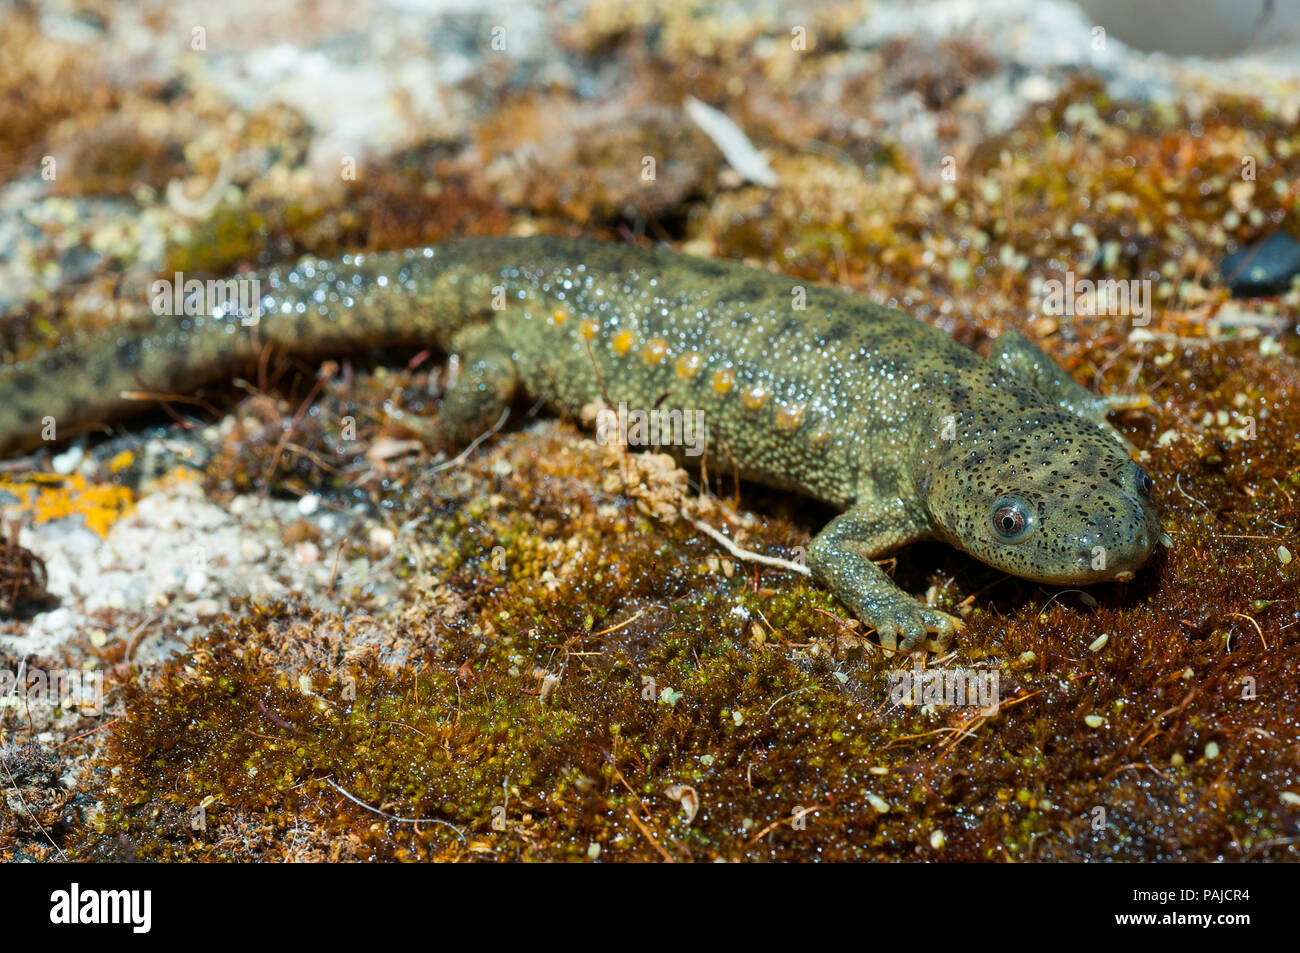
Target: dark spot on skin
{"type": "Point", "coordinates": [749, 291]}
{"type": "Point", "coordinates": [62, 360]}
{"type": "Point", "coordinates": [710, 268]}
{"type": "Point", "coordinates": [836, 333]}
{"type": "Point", "coordinates": [128, 354]}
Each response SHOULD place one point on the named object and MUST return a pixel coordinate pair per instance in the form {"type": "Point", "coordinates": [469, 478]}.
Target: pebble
{"type": "Point", "coordinates": [1264, 268]}
{"type": "Point", "coordinates": [381, 538]}
{"type": "Point", "coordinates": [67, 461]}
{"type": "Point", "coordinates": [202, 608]}
{"type": "Point", "coordinates": [252, 551]}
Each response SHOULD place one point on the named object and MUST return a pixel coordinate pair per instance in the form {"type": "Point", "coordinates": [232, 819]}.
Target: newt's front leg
{"type": "Point", "coordinates": [840, 557]}
{"type": "Point", "coordinates": [1029, 365]}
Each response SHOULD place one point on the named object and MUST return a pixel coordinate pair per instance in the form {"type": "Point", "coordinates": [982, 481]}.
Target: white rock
{"type": "Point", "coordinates": [202, 608]}
{"type": "Point", "coordinates": [67, 461]}
{"type": "Point", "coordinates": [252, 551]}
{"type": "Point", "coordinates": [382, 538]}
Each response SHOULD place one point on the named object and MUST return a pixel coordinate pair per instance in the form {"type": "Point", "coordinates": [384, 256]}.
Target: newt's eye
{"type": "Point", "coordinates": [1143, 481]}
{"type": "Point", "coordinates": [1012, 519]}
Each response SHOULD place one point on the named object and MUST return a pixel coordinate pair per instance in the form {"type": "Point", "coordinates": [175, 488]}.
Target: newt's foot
{"type": "Point", "coordinates": [914, 623]}
{"type": "Point", "coordinates": [840, 557]}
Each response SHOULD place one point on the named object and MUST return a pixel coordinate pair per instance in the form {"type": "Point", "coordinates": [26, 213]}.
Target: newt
{"type": "Point", "coordinates": [810, 389]}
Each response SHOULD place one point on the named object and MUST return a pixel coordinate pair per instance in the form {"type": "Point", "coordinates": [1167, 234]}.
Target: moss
{"type": "Point", "coordinates": [22, 575]}
{"type": "Point", "coordinates": [31, 106]}
{"type": "Point", "coordinates": [562, 160]}
{"type": "Point", "coordinates": [747, 689]}
{"type": "Point", "coordinates": [114, 157]}
{"type": "Point", "coordinates": [685, 676]}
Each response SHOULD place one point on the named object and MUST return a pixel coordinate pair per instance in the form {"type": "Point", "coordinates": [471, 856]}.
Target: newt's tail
{"type": "Point", "coordinates": [181, 341]}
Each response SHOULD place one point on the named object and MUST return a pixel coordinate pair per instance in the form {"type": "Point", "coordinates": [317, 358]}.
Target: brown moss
{"type": "Point", "coordinates": [937, 72]}
{"type": "Point", "coordinates": [32, 802]}
{"type": "Point", "coordinates": [30, 104]}
{"type": "Point", "coordinates": [745, 687]}
{"type": "Point", "coordinates": [113, 156]}
{"type": "Point", "coordinates": [681, 669]}
{"type": "Point", "coordinates": [630, 159]}
{"type": "Point", "coordinates": [22, 574]}
{"type": "Point", "coordinates": [686, 675]}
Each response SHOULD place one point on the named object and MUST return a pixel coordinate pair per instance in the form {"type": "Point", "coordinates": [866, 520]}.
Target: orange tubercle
{"type": "Point", "coordinates": [621, 342]}
{"type": "Point", "coordinates": [688, 364]}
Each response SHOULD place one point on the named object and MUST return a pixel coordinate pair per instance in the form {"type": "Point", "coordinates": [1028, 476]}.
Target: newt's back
{"type": "Point", "coordinates": [797, 384]}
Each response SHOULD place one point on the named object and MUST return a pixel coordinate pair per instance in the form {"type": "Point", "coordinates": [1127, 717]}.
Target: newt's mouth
{"type": "Point", "coordinates": [1123, 576]}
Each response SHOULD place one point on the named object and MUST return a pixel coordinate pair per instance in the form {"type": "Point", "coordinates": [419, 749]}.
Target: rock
{"type": "Point", "coordinates": [1193, 27]}
{"type": "Point", "coordinates": [252, 551]}
{"type": "Point", "coordinates": [201, 608]}
{"type": "Point", "coordinates": [64, 463]}
{"type": "Point", "coordinates": [1264, 268]}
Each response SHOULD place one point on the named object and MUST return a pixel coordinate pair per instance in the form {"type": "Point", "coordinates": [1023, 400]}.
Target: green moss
{"type": "Point", "coordinates": [751, 688]}
{"type": "Point", "coordinates": [671, 676]}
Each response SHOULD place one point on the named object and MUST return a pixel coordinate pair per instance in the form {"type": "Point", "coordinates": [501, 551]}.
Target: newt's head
{"type": "Point", "coordinates": [1050, 497]}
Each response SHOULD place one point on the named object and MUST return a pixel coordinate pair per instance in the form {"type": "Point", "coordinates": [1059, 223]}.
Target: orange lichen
{"type": "Point", "coordinates": [50, 497]}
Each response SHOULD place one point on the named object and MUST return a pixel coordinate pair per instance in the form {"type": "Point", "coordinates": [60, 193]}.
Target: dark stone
{"type": "Point", "coordinates": [1264, 268]}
